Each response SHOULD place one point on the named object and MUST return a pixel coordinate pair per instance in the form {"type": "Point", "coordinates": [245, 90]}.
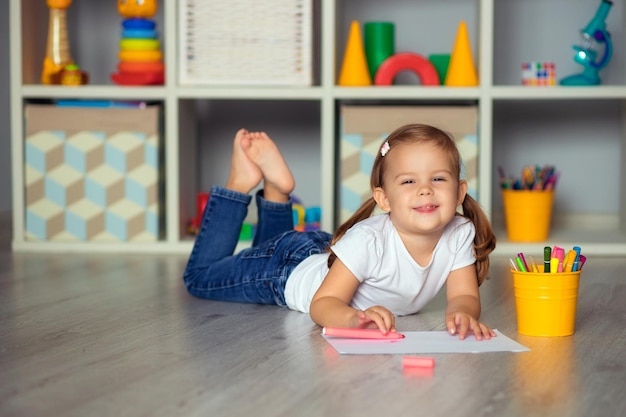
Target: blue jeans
{"type": "Point", "coordinates": [254, 275]}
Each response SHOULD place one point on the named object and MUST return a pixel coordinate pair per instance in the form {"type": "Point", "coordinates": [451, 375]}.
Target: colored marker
{"type": "Point", "coordinates": [569, 260]}
{"type": "Point", "coordinates": [554, 265]}
{"type": "Point", "coordinates": [533, 264]}
{"type": "Point", "coordinates": [547, 251]}
{"type": "Point", "coordinates": [521, 256]}
{"type": "Point", "coordinates": [581, 262]}
{"type": "Point", "coordinates": [417, 362]}
{"type": "Point", "coordinates": [513, 264]}
{"type": "Point", "coordinates": [560, 254]}
{"type": "Point", "coordinates": [350, 333]}
{"type": "Point", "coordinates": [520, 264]}
{"type": "Point", "coordinates": [577, 260]}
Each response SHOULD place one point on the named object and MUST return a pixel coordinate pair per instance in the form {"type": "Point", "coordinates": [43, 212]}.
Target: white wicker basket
{"type": "Point", "coordinates": [245, 42]}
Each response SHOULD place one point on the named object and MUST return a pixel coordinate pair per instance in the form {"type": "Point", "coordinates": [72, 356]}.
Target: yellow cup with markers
{"type": "Point", "coordinates": [527, 214]}
{"type": "Point", "coordinates": [546, 302]}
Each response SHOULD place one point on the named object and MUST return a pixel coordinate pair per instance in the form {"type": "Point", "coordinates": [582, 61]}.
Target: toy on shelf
{"type": "Point", "coordinates": [194, 224]}
{"type": "Point", "coordinates": [247, 232]}
{"type": "Point", "coordinates": [141, 59]}
{"type": "Point", "coordinates": [354, 70]}
{"type": "Point", "coordinates": [441, 63]}
{"type": "Point", "coordinates": [586, 55]}
{"type": "Point", "coordinates": [378, 63]}
{"type": "Point", "coordinates": [58, 55]}
{"type": "Point", "coordinates": [461, 70]}
{"type": "Point", "coordinates": [421, 66]}
{"type": "Point", "coordinates": [538, 73]}
{"type": "Point", "coordinates": [384, 63]}
{"type": "Point", "coordinates": [379, 43]}
{"type": "Point", "coordinates": [305, 218]}
{"type": "Point", "coordinates": [72, 75]}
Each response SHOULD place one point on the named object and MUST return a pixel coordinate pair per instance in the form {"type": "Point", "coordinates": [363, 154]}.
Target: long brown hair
{"type": "Point", "coordinates": [485, 239]}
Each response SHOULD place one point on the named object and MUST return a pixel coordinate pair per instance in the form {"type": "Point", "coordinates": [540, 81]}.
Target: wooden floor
{"type": "Point", "coordinates": [103, 335]}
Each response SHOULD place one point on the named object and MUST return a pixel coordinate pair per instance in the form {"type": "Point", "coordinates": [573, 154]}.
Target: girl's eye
{"type": "Point", "coordinates": [436, 179]}
{"type": "Point", "coordinates": [407, 181]}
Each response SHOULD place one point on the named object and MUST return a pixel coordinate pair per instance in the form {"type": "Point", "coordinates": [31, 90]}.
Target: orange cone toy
{"type": "Point", "coordinates": [354, 70]}
{"type": "Point", "coordinates": [461, 70]}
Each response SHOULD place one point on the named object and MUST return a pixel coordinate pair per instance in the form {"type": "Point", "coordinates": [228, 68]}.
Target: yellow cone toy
{"type": "Point", "coordinates": [461, 70]}
{"type": "Point", "coordinates": [354, 70]}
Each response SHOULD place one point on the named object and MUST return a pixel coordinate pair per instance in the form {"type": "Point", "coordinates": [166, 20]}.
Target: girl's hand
{"type": "Point", "coordinates": [464, 324]}
{"type": "Point", "coordinates": [331, 307]}
{"type": "Point", "coordinates": [377, 317]}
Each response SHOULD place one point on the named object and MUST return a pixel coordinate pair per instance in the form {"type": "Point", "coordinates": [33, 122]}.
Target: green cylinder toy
{"type": "Point", "coordinates": [379, 43]}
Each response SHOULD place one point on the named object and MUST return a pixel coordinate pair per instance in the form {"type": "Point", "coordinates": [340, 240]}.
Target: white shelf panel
{"type": "Point", "coordinates": [503, 248]}
{"type": "Point", "coordinates": [94, 92]}
{"type": "Point", "coordinates": [557, 92]}
{"type": "Point", "coordinates": [510, 249]}
{"type": "Point", "coordinates": [250, 93]}
{"type": "Point", "coordinates": [598, 241]}
{"type": "Point", "coordinates": [182, 247]}
{"type": "Point", "coordinates": [407, 93]}
{"type": "Point", "coordinates": [161, 247]}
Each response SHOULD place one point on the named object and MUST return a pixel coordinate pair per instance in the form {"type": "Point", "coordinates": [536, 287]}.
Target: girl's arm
{"type": "Point", "coordinates": [330, 306]}
{"type": "Point", "coordinates": [463, 308]}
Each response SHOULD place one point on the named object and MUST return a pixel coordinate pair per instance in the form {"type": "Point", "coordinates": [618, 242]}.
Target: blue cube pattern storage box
{"type": "Point", "coordinates": [364, 127]}
{"type": "Point", "coordinates": [92, 174]}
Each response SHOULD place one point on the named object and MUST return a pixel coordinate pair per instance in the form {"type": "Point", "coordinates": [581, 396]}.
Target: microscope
{"type": "Point", "coordinates": [594, 33]}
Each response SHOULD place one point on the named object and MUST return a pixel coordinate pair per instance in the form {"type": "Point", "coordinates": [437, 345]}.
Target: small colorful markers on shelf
{"type": "Point", "coordinates": [534, 177]}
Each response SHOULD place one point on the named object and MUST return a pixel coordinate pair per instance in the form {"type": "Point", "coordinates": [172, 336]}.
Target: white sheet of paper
{"type": "Point", "coordinates": [425, 342]}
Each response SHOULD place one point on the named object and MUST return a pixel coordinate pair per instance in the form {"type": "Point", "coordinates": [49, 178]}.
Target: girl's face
{"type": "Point", "coordinates": [420, 191]}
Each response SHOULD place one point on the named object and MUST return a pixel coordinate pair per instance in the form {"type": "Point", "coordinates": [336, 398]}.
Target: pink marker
{"type": "Point", "coordinates": [350, 333]}
{"type": "Point", "coordinates": [417, 362]}
{"type": "Point", "coordinates": [560, 254]}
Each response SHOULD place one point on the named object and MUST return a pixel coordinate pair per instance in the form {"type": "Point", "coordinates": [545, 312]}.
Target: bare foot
{"type": "Point", "coordinates": [278, 181]}
{"type": "Point", "coordinates": [244, 174]}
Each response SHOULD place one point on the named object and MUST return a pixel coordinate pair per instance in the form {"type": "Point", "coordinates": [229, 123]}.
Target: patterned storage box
{"type": "Point", "coordinates": [245, 42]}
{"type": "Point", "coordinates": [92, 174]}
{"type": "Point", "coordinates": [363, 128]}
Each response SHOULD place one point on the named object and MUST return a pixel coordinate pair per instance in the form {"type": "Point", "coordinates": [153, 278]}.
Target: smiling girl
{"type": "Point", "coordinates": [375, 266]}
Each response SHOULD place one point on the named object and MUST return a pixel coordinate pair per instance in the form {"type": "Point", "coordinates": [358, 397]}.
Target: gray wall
{"type": "Point", "coordinates": [5, 114]}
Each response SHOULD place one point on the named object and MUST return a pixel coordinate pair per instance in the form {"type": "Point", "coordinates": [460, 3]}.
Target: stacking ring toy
{"type": "Point", "coordinates": [139, 34]}
{"type": "Point", "coordinates": [138, 66]}
{"type": "Point", "coordinates": [138, 23]}
{"type": "Point", "coordinates": [140, 56]}
{"type": "Point", "coordinates": [390, 67]}
{"type": "Point", "coordinates": [140, 44]}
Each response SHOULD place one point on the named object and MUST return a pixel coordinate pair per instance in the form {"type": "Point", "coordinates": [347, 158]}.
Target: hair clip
{"type": "Point", "coordinates": [385, 148]}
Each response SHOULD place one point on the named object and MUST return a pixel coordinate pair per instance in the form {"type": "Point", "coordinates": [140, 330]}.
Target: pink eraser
{"type": "Point", "coordinates": [417, 362]}
{"type": "Point", "coordinates": [351, 333]}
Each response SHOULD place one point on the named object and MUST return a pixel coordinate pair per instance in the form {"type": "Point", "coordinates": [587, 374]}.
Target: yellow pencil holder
{"type": "Point", "coordinates": [546, 302]}
{"type": "Point", "coordinates": [527, 214]}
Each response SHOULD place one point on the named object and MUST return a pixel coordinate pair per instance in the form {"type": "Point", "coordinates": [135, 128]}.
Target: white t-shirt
{"type": "Point", "coordinates": [373, 251]}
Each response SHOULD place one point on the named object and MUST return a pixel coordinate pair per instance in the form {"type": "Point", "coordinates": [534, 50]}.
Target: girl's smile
{"type": "Point", "coordinates": [428, 208]}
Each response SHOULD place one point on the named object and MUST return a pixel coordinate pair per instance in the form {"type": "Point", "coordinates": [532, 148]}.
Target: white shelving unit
{"type": "Point", "coordinates": [587, 125]}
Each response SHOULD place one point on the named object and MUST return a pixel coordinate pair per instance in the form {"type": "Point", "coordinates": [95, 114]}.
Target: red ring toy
{"type": "Point", "coordinates": [390, 67]}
